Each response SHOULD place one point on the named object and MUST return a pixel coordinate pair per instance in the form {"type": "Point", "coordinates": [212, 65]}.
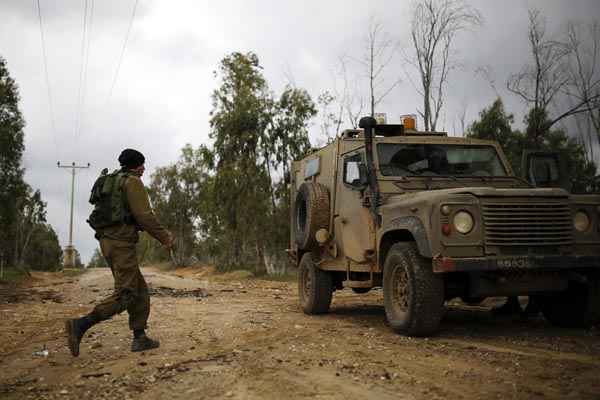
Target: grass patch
{"type": "Point", "coordinates": [73, 271]}
{"type": "Point", "coordinates": [237, 275]}
{"type": "Point", "coordinates": [291, 276]}
{"type": "Point", "coordinates": [13, 275]}
{"type": "Point", "coordinates": [163, 266]}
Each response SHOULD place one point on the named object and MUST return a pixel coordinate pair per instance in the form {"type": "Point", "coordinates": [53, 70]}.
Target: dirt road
{"type": "Point", "coordinates": [247, 339]}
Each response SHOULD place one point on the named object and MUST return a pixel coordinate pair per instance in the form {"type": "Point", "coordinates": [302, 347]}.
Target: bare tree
{"type": "Point", "coordinates": [559, 68]}
{"type": "Point", "coordinates": [583, 89]}
{"type": "Point", "coordinates": [543, 82]}
{"type": "Point", "coordinates": [373, 64]}
{"type": "Point", "coordinates": [434, 26]}
{"type": "Point", "coordinates": [486, 72]}
{"type": "Point", "coordinates": [331, 112]}
{"type": "Point", "coordinates": [350, 99]}
{"type": "Point", "coordinates": [31, 213]}
{"type": "Point", "coordinates": [539, 83]}
{"type": "Point", "coordinates": [379, 52]}
{"type": "Point", "coordinates": [462, 119]}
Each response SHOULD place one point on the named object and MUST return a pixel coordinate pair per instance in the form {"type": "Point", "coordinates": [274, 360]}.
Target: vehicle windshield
{"type": "Point", "coordinates": [438, 160]}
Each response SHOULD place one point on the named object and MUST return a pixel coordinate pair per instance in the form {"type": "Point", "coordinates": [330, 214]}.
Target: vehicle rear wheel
{"type": "Point", "coordinates": [577, 307]}
{"type": "Point", "coordinates": [361, 290]}
{"type": "Point", "coordinates": [315, 286]}
{"type": "Point", "coordinates": [413, 295]}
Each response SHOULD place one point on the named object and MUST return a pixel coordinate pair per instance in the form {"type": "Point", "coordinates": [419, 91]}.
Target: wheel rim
{"type": "Point", "coordinates": [400, 290]}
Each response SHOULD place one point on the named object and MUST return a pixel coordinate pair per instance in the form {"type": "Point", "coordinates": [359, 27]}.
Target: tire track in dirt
{"type": "Point", "coordinates": [250, 340]}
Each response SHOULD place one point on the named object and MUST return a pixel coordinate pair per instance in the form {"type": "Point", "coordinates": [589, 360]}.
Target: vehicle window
{"type": "Point", "coordinates": [351, 170]}
{"type": "Point", "coordinates": [545, 170]}
{"type": "Point", "coordinates": [439, 159]}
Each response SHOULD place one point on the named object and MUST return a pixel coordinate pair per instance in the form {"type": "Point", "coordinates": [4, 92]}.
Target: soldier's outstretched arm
{"type": "Point", "coordinates": [139, 204]}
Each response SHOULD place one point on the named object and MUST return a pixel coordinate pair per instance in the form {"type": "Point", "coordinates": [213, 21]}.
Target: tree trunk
{"type": "Point", "coordinates": [260, 267]}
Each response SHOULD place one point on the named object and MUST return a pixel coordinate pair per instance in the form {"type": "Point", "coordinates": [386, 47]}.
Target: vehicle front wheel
{"type": "Point", "coordinates": [413, 295]}
{"type": "Point", "coordinates": [315, 286]}
{"type": "Point", "coordinates": [577, 307]}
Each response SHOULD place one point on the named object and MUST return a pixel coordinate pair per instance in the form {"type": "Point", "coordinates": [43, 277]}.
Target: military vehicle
{"type": "Point", "coordinates": [429, 218]}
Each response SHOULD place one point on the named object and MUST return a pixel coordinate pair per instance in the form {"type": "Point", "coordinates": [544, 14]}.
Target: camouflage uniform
{"type": "Point", "coordinates": [122, 209]}
{"type": "Point", "coordinates": [118, 245]}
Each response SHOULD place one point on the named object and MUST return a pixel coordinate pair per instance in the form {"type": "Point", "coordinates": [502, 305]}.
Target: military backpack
{"type": "Point", "coordinates": [110, 201]}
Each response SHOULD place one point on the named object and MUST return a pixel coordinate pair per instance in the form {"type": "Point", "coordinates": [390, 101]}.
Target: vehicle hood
{"type": "Point", "coordinates": [406, 199]}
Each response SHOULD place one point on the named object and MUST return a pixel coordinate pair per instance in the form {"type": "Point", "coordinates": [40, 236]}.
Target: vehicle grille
{"type": "Point", "coordinates": [527, 224]}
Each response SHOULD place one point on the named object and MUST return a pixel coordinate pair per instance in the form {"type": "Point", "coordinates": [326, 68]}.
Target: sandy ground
{"type": "Point", "coordinates": [248, 339]}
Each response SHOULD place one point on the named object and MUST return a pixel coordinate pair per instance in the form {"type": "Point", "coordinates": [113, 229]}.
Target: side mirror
{"type": "Point", "coordinates": [544, 169]}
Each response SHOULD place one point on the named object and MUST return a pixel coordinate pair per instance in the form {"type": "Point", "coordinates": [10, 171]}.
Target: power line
{"type": "Point", "coordinates": [122, 52]}
{"type": "Point", "coordinates": [87, 56]}
{"type": "Point", "coordinates": [52, 120]}
{"type": "Point", "coordinates": [81, 67]}
{"type": "Point", "coordinates": [83, 81]}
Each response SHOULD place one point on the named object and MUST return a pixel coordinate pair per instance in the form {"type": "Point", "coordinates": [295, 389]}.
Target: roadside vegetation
{"type": "Point", "coordinates": [27, 241]}
{"type": "Point", "coordinates": [227, 202]}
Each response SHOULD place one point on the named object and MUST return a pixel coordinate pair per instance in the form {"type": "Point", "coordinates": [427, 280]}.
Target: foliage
{"type": "Point", "coordinates": [255, 137]}
{"type": "Point", "coordinates": [228, 204]}
{"type": "Point", "coordinates": [11, 152]}
{"type": "Point", "coordinates": [578, 168]}
{"type": "Point", "coordinates": [180, 196]}
{"type": "Point", "coordinates": [239, 121]}
{"type": "Point", "coordinates": [149, 250]}
{"type": "Point", "coordinates": [330, 121]}
{"type": "Point", "coordinates": [26, 241]}
{"type": "Point", "coordinates": [495, 124]}
{"type": "Point", "coordinates": [97, 260]}
{"type": "Point", "coordinates": [12, 275]}
{"type": "Point", "coordinates": [44, 252]}
{"type": "Point", "coordinates": [30, 217]}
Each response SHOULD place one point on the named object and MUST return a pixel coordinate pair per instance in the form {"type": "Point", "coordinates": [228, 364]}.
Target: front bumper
{"type": "Point", "coordinates": [449, 264]}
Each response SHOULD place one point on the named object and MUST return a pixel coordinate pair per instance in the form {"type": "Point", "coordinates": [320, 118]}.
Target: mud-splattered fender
{"type": "Point", "coordinates": [415, 226]}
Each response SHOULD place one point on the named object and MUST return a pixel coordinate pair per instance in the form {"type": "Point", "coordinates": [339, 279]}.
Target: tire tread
{"type": "Point", "coordinates": [426, 306]}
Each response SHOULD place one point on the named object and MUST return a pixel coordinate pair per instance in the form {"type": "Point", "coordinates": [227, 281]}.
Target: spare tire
{"type": "Point", "coordinates": [311, 213]}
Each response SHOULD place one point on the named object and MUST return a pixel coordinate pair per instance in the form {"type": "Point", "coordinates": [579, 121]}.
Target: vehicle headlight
{"type": "Point", "coordinates": [463, 222]}
{"type": "Point", "coordinates": [581, 221]}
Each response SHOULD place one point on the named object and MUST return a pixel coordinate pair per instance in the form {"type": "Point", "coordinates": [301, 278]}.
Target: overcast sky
{"type": "Point", "coordinates": [161, 99]}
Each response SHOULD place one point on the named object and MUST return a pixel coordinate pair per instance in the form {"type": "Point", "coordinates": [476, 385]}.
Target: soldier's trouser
{"type": "Point", "coordinates": [131, 291]}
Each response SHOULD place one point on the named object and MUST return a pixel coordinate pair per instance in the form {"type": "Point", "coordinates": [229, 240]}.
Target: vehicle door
{"type": "Point", "coordinates": [353, 223]}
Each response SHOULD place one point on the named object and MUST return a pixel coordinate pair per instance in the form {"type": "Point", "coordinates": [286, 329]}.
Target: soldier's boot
{"type": "Point", "coordinates": [141, 342]}
{"type": "Point", "coordinates": [511, 307]}
{"type": "Point", "coordinates": [75, 329]}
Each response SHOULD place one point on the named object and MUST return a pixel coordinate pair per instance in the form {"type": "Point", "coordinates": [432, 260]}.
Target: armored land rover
{"type": "Point", "coordinates": [430, 218]}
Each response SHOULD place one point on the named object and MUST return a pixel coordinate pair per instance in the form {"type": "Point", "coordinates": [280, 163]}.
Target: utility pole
{"type": "Point", "coordinates": [69, 254]}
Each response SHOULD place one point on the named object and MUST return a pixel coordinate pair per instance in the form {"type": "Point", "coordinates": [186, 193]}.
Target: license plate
{"type": "Point", "coordinates": [510, 263]}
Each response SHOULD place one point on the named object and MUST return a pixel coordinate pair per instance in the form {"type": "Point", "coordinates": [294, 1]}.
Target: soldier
{"type": "Point", "coordinates": [121, 210]}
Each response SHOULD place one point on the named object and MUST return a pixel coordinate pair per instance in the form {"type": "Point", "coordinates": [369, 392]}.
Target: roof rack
{"type": "Point", "coordinates": [390, 130]}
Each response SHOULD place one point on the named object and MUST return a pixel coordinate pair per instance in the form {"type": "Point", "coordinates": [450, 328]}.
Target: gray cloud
{"type": "Point", "coordinates": [161, 100]}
